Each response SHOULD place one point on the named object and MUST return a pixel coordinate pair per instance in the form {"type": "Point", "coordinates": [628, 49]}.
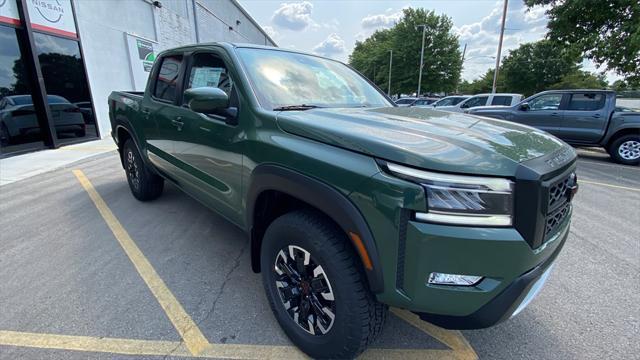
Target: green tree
{"type": "Point", "coordinates": [442, 57]}
{"type": "Point", "coordinates": [483, 84]}
{"type": "Point", "coordinates": [619, 85]}
{"type": "Point", "coordinates": [533, 67]}
{"type": "Point", "coordinates": [608, 32]}
{"type": "Point", "coordinates": [581, 80]}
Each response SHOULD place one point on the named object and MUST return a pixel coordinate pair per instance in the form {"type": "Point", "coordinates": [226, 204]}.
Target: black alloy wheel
{"type": "Point", "coordinates": [305, 290]}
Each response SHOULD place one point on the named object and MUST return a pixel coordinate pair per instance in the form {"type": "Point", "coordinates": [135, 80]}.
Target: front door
{"type": "Point", "coordinates": [543, 113]}
{"type": "Point", "coordinates": [208, 148]}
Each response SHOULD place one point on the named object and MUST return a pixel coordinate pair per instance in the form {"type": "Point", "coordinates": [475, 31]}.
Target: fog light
{"type": "Point", "coordinates": [453, 279]}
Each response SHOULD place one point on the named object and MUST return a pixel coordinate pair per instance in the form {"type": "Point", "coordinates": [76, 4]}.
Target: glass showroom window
{"type": "Point", "coordinates": [19, 127]}
{"type": "Point", "coordinates": [67, 88]}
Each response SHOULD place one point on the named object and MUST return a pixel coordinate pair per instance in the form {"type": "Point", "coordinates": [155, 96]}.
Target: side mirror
{"type": "Point", "coordinates": [464, 106]}
{"type": "Point", "coordinates": [524, 106]}
{"type": "Point", "coordinates": [206, 100]}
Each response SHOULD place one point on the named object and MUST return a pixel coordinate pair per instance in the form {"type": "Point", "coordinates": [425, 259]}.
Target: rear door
{"type": "Point", "coordinates": [161, 107]}
{"type": "Point", "coordinates": [544, 113]}
{"type": "Point", "coordinates": [585, 117]}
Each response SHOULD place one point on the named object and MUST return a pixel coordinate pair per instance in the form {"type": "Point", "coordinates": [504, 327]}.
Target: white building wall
{"type": "Point", "coordinates": [103, 25]}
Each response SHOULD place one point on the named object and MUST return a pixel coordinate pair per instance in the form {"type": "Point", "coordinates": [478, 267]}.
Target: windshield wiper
{"type": "Point", "coordinates": [296, 107]}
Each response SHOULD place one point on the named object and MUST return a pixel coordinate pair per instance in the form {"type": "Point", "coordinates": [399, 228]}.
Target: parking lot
{"type": "Point", "coordinates": [89, 272]}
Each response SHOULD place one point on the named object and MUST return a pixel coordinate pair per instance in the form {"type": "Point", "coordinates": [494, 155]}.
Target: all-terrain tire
{"type": "Point", "coordinates": [144, 185]}
{"type": "Point", "coordinates": [626, 149]}
{"type": "Point", "coordinates": [358, 317]}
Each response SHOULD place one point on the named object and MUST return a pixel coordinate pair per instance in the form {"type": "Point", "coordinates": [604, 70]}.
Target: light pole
{"type": "Point", "coordinates": [495, 73]}
{"type": "Point", "coordinates": [390, 62]}
{"type": "Point", "coordinates": [424, 29]}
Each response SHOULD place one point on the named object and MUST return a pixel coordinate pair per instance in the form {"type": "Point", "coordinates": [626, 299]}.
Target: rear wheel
{"type": "Point", "coordinates": [144, 184]}
{"type": "Point", "coordinates": [626, 149]}
{"type": "Point", "coordinates": [316, 288]}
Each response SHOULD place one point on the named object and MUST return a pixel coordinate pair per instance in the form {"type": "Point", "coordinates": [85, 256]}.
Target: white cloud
{"type": "Point", "coordinates": [270, 31]}
{"type": "Point", "coordinates": [522, 25]}
{"type": "Point", "coordinates": [386, 20]}
{"type": "Point", "coordinates": [293, 16]}
{"type": "Point", "coordinates": [332, 45]}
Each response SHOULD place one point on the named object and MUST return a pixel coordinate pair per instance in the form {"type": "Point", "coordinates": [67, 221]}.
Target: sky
{"type": "Point", "coordinates": [332, 27]}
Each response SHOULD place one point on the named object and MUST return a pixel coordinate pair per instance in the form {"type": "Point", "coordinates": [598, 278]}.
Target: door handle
{"type": "Point", "coordinates": [596, 116]}
{"type": "Point", "coordinates": [554, 114]}
{"type": "Point", "coordinates": [178, 123]}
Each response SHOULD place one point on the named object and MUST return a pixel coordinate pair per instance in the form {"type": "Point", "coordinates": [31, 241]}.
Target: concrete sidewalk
{"type": "Point", "coordinates": [23, 166]}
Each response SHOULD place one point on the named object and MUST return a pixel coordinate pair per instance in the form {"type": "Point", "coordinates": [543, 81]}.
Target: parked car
{"type": "Point", "coordinates": [18, 117]}
{"type": "Point", "coordinates": [579, 117]}
{"type": "Point", "coordinates": [450, 100]}
{"type": "Point", "coordinates": [424, 102]}
{"type": "Point", "coordinates": [86, 108]}
{"type": "Point", "coordinates": [406, 101]}
{"type": "Point", "coordinates": [498, 99]}
{"type": "Point", "coordinates": [351, 204]}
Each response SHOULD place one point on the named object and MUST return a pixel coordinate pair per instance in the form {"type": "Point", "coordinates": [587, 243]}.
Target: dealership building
{"type": "Point", "coordinates": [60, 59]}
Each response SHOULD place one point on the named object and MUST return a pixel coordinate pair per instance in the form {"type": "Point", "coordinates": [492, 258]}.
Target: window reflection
{"type": "Point", "coordinates": [19, 127]}
{"type": "Point", "coordinates": [67, 87]}
{"type": "Point", "coordinates": [285, 78]}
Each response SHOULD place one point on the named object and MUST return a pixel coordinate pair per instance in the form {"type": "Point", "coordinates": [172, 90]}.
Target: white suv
{"type": "Point", "coordinates": [498, 99]}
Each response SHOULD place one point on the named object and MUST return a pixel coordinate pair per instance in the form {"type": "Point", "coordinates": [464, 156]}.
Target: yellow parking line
{"type": "Point", "coordinates": [93, 344]}
{"type": "Point", "coordinates": [452, 338]}
{"type": "Point", "coordinates": [195, 341]}
{"type": "Point", "coordinates": [581, 181]}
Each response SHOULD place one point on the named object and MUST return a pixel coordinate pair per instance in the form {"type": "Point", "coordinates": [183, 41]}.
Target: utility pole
{"type": "Point", "coordinates": [464, 52]}
{"type": "Point", "coordinates": [495, 73]}
{"type": "Point", "coordinates": [390, 62]}
{"type": "Point", "coordinates": [424, 29]}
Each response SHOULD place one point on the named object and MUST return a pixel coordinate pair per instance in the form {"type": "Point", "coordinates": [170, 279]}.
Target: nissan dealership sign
{"type": "Point", "coordinates": [52, 16]}
{"type": "Point", "coordinates": [9, 12]}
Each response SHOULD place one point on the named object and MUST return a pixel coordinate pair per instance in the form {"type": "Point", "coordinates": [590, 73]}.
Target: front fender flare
{"type": "Point", "coordinates": [324, 198]}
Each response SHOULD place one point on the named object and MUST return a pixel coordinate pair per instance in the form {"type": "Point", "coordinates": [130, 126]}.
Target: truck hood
{"type": "Point", "coordinates": [424, 138]}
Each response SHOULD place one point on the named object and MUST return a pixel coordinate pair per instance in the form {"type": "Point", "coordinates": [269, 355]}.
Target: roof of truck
{"type": "Point", "coordinates": [241, 45]}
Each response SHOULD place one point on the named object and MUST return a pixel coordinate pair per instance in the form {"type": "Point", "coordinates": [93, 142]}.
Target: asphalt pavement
{"type": "Point", "coordinates": [149, 279]}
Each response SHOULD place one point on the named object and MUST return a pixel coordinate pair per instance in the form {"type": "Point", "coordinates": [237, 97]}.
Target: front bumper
{"type": "Point", "coordinates": [508, 303]}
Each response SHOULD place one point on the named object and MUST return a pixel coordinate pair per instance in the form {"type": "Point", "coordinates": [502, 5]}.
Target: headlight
{"type": "Point", "coordinates": [460, 199]}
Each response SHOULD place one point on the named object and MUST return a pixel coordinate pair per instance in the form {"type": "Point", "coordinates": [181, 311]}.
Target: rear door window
{"type": "Point", "coordinates": [501, 100]}
{"type": "Point", "coordinates": [586, 102]}
{"type": "Point", "coordinates": [167, 82]}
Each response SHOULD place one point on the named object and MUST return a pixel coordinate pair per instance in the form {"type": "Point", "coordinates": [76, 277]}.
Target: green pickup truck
{"type": "Point", "coordinates": [351, 203]}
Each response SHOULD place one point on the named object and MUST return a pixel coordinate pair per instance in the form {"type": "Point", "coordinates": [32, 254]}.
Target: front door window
{"type": "Point", "coordinates": [546, 102]}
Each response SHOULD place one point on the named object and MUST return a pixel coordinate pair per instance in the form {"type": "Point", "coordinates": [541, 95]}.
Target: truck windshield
{"type": "Point", "coordinates": [282, 79]}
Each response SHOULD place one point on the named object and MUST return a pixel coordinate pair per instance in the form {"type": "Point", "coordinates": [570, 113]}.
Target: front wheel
{"type": "Point", "coordinates": [316, 287]}
{"type": "Point", "coordinates": [626, 149]}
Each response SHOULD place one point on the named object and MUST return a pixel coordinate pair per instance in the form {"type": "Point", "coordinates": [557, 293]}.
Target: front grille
{"type": "Point", "coordinates": [542, 187]}
{"type": "Point", "coordinates": [555, 219]}
{"type": "Point", "coordinates": [558, 192]}
{"type": "Point", "coordinates": [558, 204]}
